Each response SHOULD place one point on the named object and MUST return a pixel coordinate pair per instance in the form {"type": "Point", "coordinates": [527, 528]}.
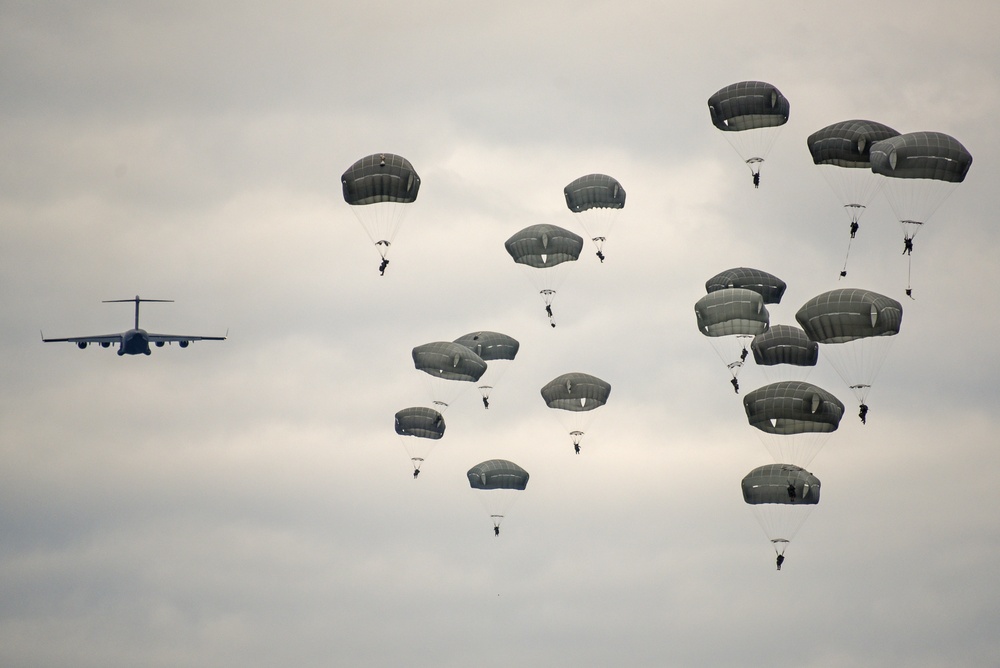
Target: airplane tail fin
{"type": "Point", "coordinates": [136, 300]}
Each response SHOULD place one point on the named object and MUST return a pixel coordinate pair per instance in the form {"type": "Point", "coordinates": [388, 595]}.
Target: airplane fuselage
{"type": "Point", "coordinates": [134, 342]}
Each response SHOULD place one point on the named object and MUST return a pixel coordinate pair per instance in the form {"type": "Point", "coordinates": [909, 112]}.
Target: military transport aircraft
{"type": "Point", "coordinates": [135, 340]}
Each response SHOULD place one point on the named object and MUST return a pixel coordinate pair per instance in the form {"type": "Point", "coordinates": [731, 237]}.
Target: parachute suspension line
{"type": "Point", "coordinates": [847, 255]}
{"type": "Point", "coordinates": [909, 273]}
{"type": "Point", "coordinates": [497, 519]}
{"type": "Point", "coordinates": [855, 211]}
{"type": "Point", "coordinates": [858, 362]}
{"type": "Point", "coordinates": [577, 436]}
{"type": "Point", "coordinates": [910, 229]}
{"type": "Point", "coordinates": [781, 522]}
{"type": "Point", "coordinates": [780, 544]}
{"type": "Point", "coordinates": [547, 295]}
{"type": "Point", "coordinates": [743, 342]}
{"type": "Point", "coordinates": [599, 243]}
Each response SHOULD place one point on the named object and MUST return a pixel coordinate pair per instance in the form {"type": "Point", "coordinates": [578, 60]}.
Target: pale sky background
{"type": "Point", "coordinates": [247, 503]}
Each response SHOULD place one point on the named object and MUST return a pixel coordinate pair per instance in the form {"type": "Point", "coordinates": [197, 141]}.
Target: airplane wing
{"type": "Point", "coordinates": [103, 339]}
{"type": "Point", "coordinates": [174, 338]}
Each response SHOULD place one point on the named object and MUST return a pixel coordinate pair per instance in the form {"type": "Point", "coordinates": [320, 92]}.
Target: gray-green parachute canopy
{"type": "Point", "coordinates": [576, 392]}
{"type": "Point", "coordinates": [498, 474]}
{"type": "Point", "coordinates": [750, 115]}
{"type": "Point", "coordinates": [594, 191]}
{"type": "Point", "coordinates": [921, 155]}
{"type": "Point", "coordinates": [448, 360]}
{"type": "Point", "coordinates": [769, 485]}
{"type": "Point", "coordinates": [731, 311]}
{"type": "Point", "coordinates": [380, 177]}
{"type": "Point", "coordinates": [793, 407]}
{"type": "Point", "coordinates": [856, 328]}
{"type": "Point", "coordinates": [843, 152]}
{"type": "Point", "coordinates": [421, 422]}
{"type": "Point", "coordinates": [847, 143]}
{"type": "Point", "coordinates": [748, 105]}
{"type": "Point", "coordinates": [846, 314]}
{"type": "Point", "coordinates": [490, 346]}
{"type": "Point", "coordinates": [781, 497]}
{"type": "Point", "coordinates": [784, 344]}
{"type": "Point", "coordinates": [922, 169]}
{"type": "Point", "coordinates": [544, 245]}
{"type": "Point", "coordinates": [769, 286]}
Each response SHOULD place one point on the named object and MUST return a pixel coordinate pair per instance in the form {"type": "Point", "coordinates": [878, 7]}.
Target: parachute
{"type": "Point", "coordinates": [794, 419]}
{"type": "Point", "coordinates": [731, 317]}
{"type": "Point", "coordinates": [598, 199]}
{"type": "Point", "coordinates": [842, 151]}
{"type": "Point", "coordinates": [419, 429]}
{"type": "Point", "coordinates": [769, 286]}
{"type": "Point", "coordinates": [497, 483]}
{"type": "Point", "coordinates": [922, 170]}
{"type": "Point", "coordinates": [784, 352]}
{"type": "Point", "coordinates": [575, 395]}
{"type": "Point", "coordinates": [782, 496]}
{"type": "Point", "coordinates": [444, 363]}
{"type": "Point", "coordinates": [855, 328]}
{"type": "Point", "coordinates": [490, 346]}
{"type": "Point", "coordinates": [378, 187]}
{"type": "Point", "coordinates": [545, 250]}
{"type": "Point", "coordinates": [751, 114]}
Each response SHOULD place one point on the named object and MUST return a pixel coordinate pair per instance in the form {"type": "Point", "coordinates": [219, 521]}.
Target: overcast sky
{"type": "Point", "coordinates": [248, 503]}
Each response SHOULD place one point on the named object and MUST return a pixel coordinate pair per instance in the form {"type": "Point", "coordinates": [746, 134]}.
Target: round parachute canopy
{"type": "Point", "coordinates": [598, 200]}
{"type": "Point", "coordinates": [420, 422]}
{"type": "Point", "coordinates": [498, 483]}
{"type": "Point", "coordinates": [847, 143]}
{"type": "Point", "coordinates": [547, 247]}
{"type": "Point", "coordinates": [843, 153]}
{"type": "Point", "coordinates": [380, 177]}
{"type": "Point", "coordinates": [380, 188]}
{"type": "Point", "coordinates": [782, 496]}
{"type": "Point", "coordinates": [543, 246]}
{"type": "Point", "coordinates": [748, 105]}
{"type": "Point", "coordinates": [732, 312]}
{"type": "Point", "coordinates": [450, 361]}
{"type": "Point", "coordinates": [498, 474]}
{"type": "Point", "coordinates": [751, 114]}
{"type": "Point", "coordinates": [490, 346]}
{"type": "Point", "coordinates": [769, 484]}
{"type": "Point", "coordinates": [730, 318]}
{"type": "Point", "coordinates": [922, 170]}
{"type": "Point", "coordinates": [921, 155]}
{"type": "Point", "coordinates": [575, 396]}
{"type": "Point", "coordinates": [784, 344]}
{"type": "Point", "coordinates": [594, 191]}
{"type": "Point", "coordinates": [856, 329]}
{"type": "Point", "coordinates": [793, 419]}
{"type": "Point", "coordinates": [770, 287]}
{"type": "Point", "coordinates": [793, 407]}
{"type": "Point", "coordinates": [846, 314]}
{"type": "Point", "coordinates": [576, 392]}
{"type": "Point", "coordinates": [426, 426]}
